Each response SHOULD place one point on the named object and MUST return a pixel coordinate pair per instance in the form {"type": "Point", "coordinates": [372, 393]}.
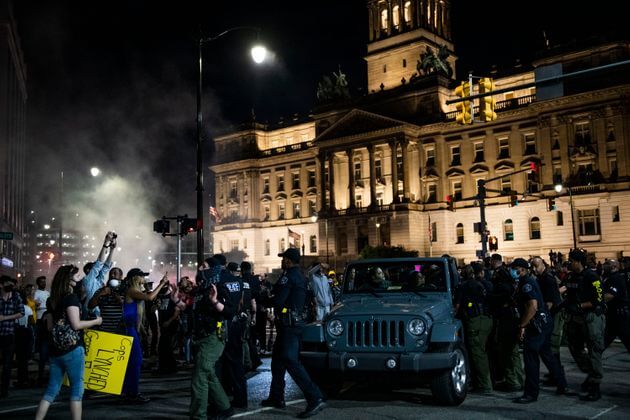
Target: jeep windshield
{"type": "Point", "coordinates": [383, 276]}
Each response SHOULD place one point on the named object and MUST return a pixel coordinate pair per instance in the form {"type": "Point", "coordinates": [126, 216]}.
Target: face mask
{"type": "Point", "coordinates": [514, 273]}
{"type": "Point", "coordinates": [113, 283]}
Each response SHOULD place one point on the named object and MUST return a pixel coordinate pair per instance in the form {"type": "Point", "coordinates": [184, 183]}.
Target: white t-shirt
{"type": "Point", "coordinates": [40, 300]}
{"type": "Point", "coordinates": [24, 320]}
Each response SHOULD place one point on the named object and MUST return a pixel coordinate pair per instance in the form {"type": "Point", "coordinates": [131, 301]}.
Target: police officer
{"type": "Point", "coordinates": [586, 322]}
{"type": "Point", "coordinates": [211, 307]}
{"type": "Point", "coordinates": [230, 367]}
{"type": "Point", "coordinates": [617, 296]}
{"type": "Point", "coordinates": [471, 304]}
{"type": "Point", "coordinates": [289, 296]}
{"type": "Point", "coordinates": [251, 285]}
{"type": "Point", "coordinates": [550, 289]}
{"type": "Point", "coordinates": [535, 327]}
{"type": "Point", "coordinates": [505, 315]}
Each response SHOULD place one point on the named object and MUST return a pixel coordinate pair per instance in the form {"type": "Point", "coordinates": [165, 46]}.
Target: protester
{"type": "Point", "coordinates": [71, 362]}
{"type": "Point", "coordinates": [11, 308]}
{"type": "Point", "coordinates": [322, 293]}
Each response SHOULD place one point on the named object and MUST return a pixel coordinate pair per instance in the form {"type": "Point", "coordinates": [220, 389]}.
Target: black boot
{"type": "Point", "coordinates": [593, 393]}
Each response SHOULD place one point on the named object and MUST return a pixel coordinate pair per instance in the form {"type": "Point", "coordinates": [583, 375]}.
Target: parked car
{"type": "Point", "coordinates": [395, 321]}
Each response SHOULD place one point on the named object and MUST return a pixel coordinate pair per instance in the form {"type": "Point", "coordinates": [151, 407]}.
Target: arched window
{"type": "Point", "coordinates": [267, 247]}
{"type": "Point", "coordinates": [534, 228]}
{"type": "Point", "coordinates": [508, 230]}
{"type": "Point", "coordinates": [407, 12]}
{"type": "Point", "coordinates": [313, 244]}
{"type": "Point", "coordinates": [459, 230]}
{"type": "Point", "coordinates": [384, 19]}
{"type": "Point", "coordinates": [396, 16]}
{"type": "Point", "coordinates": [282, 245]}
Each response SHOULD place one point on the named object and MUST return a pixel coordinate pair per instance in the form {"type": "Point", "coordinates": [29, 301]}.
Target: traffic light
{"type": "Point", "coordinates": [493, 243]}
{"type": "Point", "coordinates": [551, 204]}
{"type": "Point", "coordinates": [534, 173]}
{"type": "Point", "coordinates": [450, 201]}
{"type": "Point", "coordinates": [513, 199]}
{"type": "Point", "coordinates": [486, 104]}
{"type": "Point", "coordinates": [463, 107]}
{"type": "Point", "coordinates": [189, 225]}
{"type": "Point", "coordinates": [162, 226]}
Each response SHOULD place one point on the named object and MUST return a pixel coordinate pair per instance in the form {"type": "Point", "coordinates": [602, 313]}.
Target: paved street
{"type": "Point", "coordinates": [170, 398]}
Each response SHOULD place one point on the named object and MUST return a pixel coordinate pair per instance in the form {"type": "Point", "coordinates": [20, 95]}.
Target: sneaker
{"type": "Point", "coordinates": [313, 409]}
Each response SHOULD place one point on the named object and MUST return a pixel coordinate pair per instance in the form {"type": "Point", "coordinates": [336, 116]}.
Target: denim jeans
{"type": "Point", "coordinates": [72, 363]}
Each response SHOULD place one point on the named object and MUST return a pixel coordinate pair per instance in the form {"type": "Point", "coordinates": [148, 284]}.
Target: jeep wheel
{"type": "Point", "coordinates": [449, 387]}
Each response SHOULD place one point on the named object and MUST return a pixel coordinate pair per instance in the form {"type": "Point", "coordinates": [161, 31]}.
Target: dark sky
{"type": "Point", "coordinates": [112, 83]}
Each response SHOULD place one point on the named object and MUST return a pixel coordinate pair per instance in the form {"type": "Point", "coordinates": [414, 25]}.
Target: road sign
{"type": "Point", "coordinates": [6, 236]}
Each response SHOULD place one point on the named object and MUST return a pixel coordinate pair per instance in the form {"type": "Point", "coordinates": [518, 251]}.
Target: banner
{"type": "Point", "coordinates": [106, 358]}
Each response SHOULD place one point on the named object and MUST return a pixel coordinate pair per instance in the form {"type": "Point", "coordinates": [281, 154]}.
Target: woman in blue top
{"type": "Point", "coordinates": [133, 311]}
{"type": "Point", "coordinates": [64, 303]}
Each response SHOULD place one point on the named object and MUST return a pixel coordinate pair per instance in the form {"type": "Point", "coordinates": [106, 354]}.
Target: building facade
{"type": "Point", "coordinates": [377, 170]}
{"type": "Point", "coordinates": [13, 98]}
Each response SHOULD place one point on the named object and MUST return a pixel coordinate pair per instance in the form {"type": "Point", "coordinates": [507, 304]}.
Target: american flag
{"type": "Point", "coordinates": [294, 235]}
{"type": "Point", "coordinates": [215, 213]}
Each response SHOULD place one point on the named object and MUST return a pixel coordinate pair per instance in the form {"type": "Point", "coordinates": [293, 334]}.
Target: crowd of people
{"type": "Point", "coordinates": [224, 320]}
{"type": "Point", "coordinates": [531, 307]}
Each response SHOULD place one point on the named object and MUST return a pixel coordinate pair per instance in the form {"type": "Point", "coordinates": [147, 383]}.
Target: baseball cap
{"type": "Point", "coordinates": [292, 253]}
{"type": "Point", "coordinates": [136, 272]}
{"type": "Point", "coordinates": [520, 262]}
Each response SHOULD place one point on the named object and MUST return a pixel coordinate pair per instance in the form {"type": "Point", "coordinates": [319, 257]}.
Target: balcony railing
{"type": "Point", "coordinates": [505, 105]}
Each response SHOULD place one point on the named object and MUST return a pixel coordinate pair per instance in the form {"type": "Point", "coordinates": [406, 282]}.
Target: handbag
{"type": "Point", "coordinates": [63, 336]}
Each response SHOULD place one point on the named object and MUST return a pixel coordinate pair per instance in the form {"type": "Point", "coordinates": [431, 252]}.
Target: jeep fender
{"type": "Point", "coordinates": [313, 333]}
{"type": "Point", "coordinates": [447, 332]}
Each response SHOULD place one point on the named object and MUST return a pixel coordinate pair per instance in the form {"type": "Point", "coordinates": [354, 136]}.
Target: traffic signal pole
{"type": "Point", "coordinates": [182, 221]}
{"type": "Point", "coordinates": [471, 93]}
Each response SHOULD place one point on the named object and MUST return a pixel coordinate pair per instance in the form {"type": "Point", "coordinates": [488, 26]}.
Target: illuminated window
{"type": "Point", "coordinates": [311, 178]}
{"type": "Point", "coordinates": [530, 144]}
{"type": "Point", "coordinates": [267, 247]}
{"type": "Point", "coordinates": [313, 244]}
{"type": "Point", "coordinates": [508, 230]}
{"type": "Point", "coordinates": [358, 200]}
{"type": "Point", "coordinates": [456, 156]}
{"type": "Point", "coordinates": [407, 12]}
{"type": "Point", "coordinates": [504, 148]}
{"type": "Point", "coordinates": [282, 245]}
{"type": "Point", "coordinates": [459, 229]}
{"type": "Point", "coordinates": [312, 209]}
{"type": "Point", "coordinates": [534, 228]}
{"type": "Point", "coordinates": [234, 244]}
{"type": "Point", "coordinates": [430, 155]}
{"type": "Point", "coordinates": [432, 193]}
{"type": "Point", "coordinates": [457, 190]}
{"type": "Point", "coordinates": [378, 169]}
{"type": "Point", "coordinates": [357, 169]}
{"type": "Point", "coordinates": [479, 157]}
{"type": "Point", "coordinates": [281, 214]}
{"type": "Point", "coordinates": [267, 212]}
{"type": "Point", "coordinates": [296, 210]}
{"type": "Point", "coordinates": [396, 17]}
{"type": "Point", "coordinates": [265, 185]}
{"type": "Point", "coordinates": [379, 198]}
{"type": "Point", "coordinates": [280, 182]}
{"type": "Point", "coordinates": [506, 183]}
{"type": "Point", "coordinates": [384, 19]}
{"type": "Point", "coordinates": [233, 189]}
{"type": "Point", "coordinates": [295, 180]}
{"type": "Point", "coordinates": [615, 214]}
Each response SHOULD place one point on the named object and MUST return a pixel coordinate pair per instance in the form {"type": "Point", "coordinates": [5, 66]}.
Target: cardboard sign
{"type": "Point", "coordinates": [106, 359]}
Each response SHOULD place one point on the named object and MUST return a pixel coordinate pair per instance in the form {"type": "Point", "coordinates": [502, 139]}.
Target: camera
{"type": "Point", "coordinates": [114, 235]}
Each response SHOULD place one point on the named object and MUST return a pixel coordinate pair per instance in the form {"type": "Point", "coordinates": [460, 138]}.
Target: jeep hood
{"type": "Point", "coordinates": [434, 306]}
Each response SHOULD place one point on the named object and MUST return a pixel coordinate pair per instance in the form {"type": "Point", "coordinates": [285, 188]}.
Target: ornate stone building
{"type": "Point", "coordinates": [377, 169]}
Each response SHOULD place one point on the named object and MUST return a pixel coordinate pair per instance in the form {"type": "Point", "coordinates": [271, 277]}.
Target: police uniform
{"type": "Point", "coordinates": [231, 363]}
{"type": "Point", "coordinates": [209, 336]}
{"type": "Point", "coordinates": [478, 326]}
{"type": "Point", "coordinates": [548, 283]}
{"type": "Point", "coordinates": [586, 326]}
{"type": "Point", "coordinates": [618, 314]}
{"type": "Point", "coordinates": [505, 317]}
{"type": "Point", "coordinates": [289, 295]}
{"type": "Point", "coordinates": [537, 340]}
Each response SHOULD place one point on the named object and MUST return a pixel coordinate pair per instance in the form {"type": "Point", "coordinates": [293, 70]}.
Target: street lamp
{"type": "Point", "coordinates": [259, 54]}
{"type": "Point", "coordinates": [95, 172]}
{"type": "Point", "coordinates": [558, 189]}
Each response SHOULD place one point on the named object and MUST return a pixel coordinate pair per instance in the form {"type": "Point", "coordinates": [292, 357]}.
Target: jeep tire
{"type": "Point", "coordinates": [449, 387]}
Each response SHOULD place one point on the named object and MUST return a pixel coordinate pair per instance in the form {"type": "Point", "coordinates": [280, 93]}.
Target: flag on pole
{"type": "Point", "coordinates": [215, 213]}
{"type": "Point", "coordinates": [295, 236]}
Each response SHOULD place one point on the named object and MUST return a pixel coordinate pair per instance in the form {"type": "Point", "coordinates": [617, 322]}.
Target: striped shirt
{"type": "Point", "coordinates": [111, 308]}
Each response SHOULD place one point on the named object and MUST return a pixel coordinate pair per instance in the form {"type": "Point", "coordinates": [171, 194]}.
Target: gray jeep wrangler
{"type": "Point", "coordinates": [395, 321]}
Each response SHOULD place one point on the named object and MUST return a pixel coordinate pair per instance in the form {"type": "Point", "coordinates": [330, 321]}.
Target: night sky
{"type": "Point", "coordinates": [112, 83]}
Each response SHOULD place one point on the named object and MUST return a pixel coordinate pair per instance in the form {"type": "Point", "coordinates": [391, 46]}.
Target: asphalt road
{"type": "Point", "coordinates": [171, 396]}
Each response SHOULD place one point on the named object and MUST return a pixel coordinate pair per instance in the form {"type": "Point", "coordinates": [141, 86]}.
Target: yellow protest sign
{"type": "Point", "coordinates": [106, 358]}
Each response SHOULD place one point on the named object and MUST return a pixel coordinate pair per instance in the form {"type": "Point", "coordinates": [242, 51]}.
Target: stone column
{"type": "Point", "coordinates": [331, 180]}
{"type": "Point", "coordinates": [322, 180]}
{"type": "Point", "coordinates": [350, 178]}
{"type": "Point", "coordinates": [406, 163]}
{"type": "Point", "coordinates": [393, 146]}
{"type": "Point", "coordinates": [372, 177]}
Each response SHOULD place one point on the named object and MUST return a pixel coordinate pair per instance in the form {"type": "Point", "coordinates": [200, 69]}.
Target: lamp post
{"type": "Point", "coordinates": [558, 189]}
{"type": "Point", "coordinates": [258, 55]}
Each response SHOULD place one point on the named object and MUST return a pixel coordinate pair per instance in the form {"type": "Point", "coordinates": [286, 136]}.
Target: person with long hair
{"type": "Point", "coordinates": [133, 311]}
{"type": "Point", "coordinates": [64, 303]}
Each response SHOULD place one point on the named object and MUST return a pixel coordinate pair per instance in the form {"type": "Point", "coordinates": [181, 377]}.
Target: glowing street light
{"type": "Point", "coordinates": [95, 171]}
{"type": "Point", "coordinates": [558, 187]}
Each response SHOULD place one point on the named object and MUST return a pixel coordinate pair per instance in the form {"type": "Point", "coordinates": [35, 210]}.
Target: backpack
{"type": "Point", "coordinates": [63, 336]}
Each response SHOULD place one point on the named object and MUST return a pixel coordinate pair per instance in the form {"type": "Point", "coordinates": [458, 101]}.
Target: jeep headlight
{"type": "Point", "coordinates": [416, 326]}
{"type": "Point", "coordinates": [335, 328]}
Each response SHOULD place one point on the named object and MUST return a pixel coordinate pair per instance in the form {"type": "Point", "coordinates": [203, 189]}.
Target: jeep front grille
{"type": "Point", "coordinates": [382, 334]}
